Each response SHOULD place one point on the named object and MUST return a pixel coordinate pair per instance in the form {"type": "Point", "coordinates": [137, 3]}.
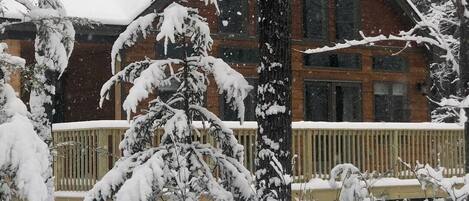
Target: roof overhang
{"type": "Point", "coordinates": [100, 33]}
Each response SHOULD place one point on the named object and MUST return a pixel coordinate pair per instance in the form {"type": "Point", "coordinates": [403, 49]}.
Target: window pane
{"type": "Point", "coordinates": [239, 55]}
{"type": "Point", "coordinates": [352, 61]}
{"type": "Point", "coordinates": [389, 63]}
{"type": "Point", "coordinates": [250, 102]}
{"type": "Point", "coordinates": [398, 89]}
{"type": "Point", "coordinates": [316, 102]}
{"type": "Point", "coordinates": [390, 102]}
{"type": "Point", "coordinates": [314, 19]}
{"type": "Point", "coordinates": [348, 103]}
{"type": "Point", "coordinates": [381, 88]}
{"type": "Point", "coordinates": [232, 16]}
{"type": "Point", "coordinates": [346, 19]}
{"type": "Point", "coordinates": [381, 108]}
{"type": "Point", "coordinates": [398, 109]}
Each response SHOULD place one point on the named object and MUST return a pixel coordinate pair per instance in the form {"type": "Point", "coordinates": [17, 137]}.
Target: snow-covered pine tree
{"type": "Point", "coordinates": [179, 167]}
{"type": "Point", "coordinates": [55, 38]}
{"type": "Point", "coordinates": [24, 157]}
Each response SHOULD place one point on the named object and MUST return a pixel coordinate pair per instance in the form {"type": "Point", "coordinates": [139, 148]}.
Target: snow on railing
{"type": "Point", "coordinates": [295, 125]}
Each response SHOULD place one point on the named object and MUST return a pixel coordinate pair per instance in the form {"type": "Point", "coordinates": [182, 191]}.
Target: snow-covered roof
{"type": "Point", "coordinates": [113, 12]}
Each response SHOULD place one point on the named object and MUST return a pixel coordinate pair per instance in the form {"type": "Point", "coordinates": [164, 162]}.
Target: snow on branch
{"type": "Point", "coordinates": [9, 63]}
{"type": "Point", "coordinates": [355, 185]}
{"type": "Point", "coordinates": [150, 79]}
{"type": "Point", "coordinates": [116, 177]}
{"type": "Point", "coordinates": [403, 36]}
{"type": "Point", "coordinates": [173, 23]}
{"type": "Point", "coordinates": [179, 20]}
{"type": "Point", "coordinates": [230, 83]}
{"type": "Point", "coordinates": [142, 128]}
{"type": "Point", "coordinates": [24, 156]}
{"type": "Point", "coordinates": [432, 178]}
{"type": "Point", "coordinates": [434, 38]}
{"type": "Point", "coordinates": [233, 172]}
{"type": "Point", "coordinates": [139, 28]}
{"type": "Point", "coordinates": [147, 179]}
{"type": "Point", "coordinates": [146, 76]}
{"type": "Point", "coordinates": [223, 135]}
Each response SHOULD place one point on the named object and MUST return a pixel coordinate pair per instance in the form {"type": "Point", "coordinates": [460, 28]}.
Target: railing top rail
{"type": "Point", "coordinates": [122, 124]}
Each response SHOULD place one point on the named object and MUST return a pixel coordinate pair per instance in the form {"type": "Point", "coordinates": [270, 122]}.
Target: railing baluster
{"type": "Point", "coordinates": [77, 166]}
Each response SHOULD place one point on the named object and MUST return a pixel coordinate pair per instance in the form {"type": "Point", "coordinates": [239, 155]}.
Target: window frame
{"type": "Point", "coordinates": [332, 107]}
{"type": "Point", "coordinates": [358, 68]}
{"type": "Point", "coordinates": [325, 25]}
{"type": "Point", "coordinates": [406, 107]}
{"type": "Point", "coordinates": [356, 18]}
{"type": "Point", "coordinates": [404, 70]}
{"type": "Point", "coordinates": [221, 54]}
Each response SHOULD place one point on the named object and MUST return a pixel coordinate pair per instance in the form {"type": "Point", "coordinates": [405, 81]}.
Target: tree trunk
{"type": "Point", "coordinates": [273, 159]}
{"type": "Point", "coordinates": [41, 102]}
{"type": "Point", "coordinates": [464, 73]}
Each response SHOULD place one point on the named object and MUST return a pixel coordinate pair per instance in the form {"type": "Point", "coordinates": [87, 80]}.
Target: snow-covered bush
{"type": "Point", "coordinates": [24, 157]}
{"type": "Point", "coordinates": [354, 184]}
{"type": "Point", "coordinates": [179, 168]}
{"type": "Point", "coordinates": [432, 178]}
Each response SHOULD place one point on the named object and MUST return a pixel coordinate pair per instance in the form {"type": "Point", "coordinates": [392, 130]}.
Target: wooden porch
{"type": "Point", "coordinates": [87, 150]}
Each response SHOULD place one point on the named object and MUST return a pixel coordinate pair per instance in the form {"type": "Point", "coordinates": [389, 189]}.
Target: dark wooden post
{"type": "Point", "coordinates": [273, 159]}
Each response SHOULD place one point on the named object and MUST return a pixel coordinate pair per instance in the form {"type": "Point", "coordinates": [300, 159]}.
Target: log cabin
{"type": "Point", "coordinates": [358, 84]}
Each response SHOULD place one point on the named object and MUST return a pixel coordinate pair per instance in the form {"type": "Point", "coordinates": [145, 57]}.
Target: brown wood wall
{"type": "Point", "coordinates": [90, 63]}
{"type": "Point", "coordinates": [377, 18]}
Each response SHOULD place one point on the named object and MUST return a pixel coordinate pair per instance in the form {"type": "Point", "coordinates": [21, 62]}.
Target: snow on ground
{"type": "Point", "coordinates": [70, 194]}
{"type": "Point", "coordinates": [320, 184]}
{"type": "Point", "coordinates": [313, 184]}
{"type": "Point", "coordinates": [116, 12]}
{"type": "Point", "coordinates": [295, 125]}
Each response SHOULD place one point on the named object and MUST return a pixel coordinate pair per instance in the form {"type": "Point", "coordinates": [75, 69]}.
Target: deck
{"type": "Point", "coordinates": [87, 150]}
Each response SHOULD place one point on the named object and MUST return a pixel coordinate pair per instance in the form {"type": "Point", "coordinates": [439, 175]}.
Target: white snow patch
{"type": "Point", "coordinates": [253, 125]}
{"type": "Point", "coordinates": [320, 184]}
{"type": "Point", "coordinates": [69, 194]}
{"type": "Point", "coordinates": [117, 12]}
{"type": "Point", "coordinates": [225, 23]}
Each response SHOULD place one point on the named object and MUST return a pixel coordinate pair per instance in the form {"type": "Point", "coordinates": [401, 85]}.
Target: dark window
{"type": "Point", "coordinates": [315, 19]}
{"type": "Point", "coordinates": [333, 60]}
{"type": "Point", "coordinates": [59, 103]}
{"type": "Point", "coordinates": [333, 101]}
{"type": "Point", "coordinates": [227, 114]}
{"type": "Point", "coordinates": [347, 18]}
{"type": "Point", "coordinates": [167, 91]}
{"type": "Point", "coordinates": [173, 51]}
{"type": "Point", "coordinates": [239, 55]}
{"type": "Point", "coordinates": [389, 63]}
{"type": "Point", "coordinates": [232, 16]}
{"type": "Point", "coordinates": [390, 102]}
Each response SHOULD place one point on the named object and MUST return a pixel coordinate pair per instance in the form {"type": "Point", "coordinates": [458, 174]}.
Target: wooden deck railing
{"type": "Point", "coordinates": [87, 150]}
